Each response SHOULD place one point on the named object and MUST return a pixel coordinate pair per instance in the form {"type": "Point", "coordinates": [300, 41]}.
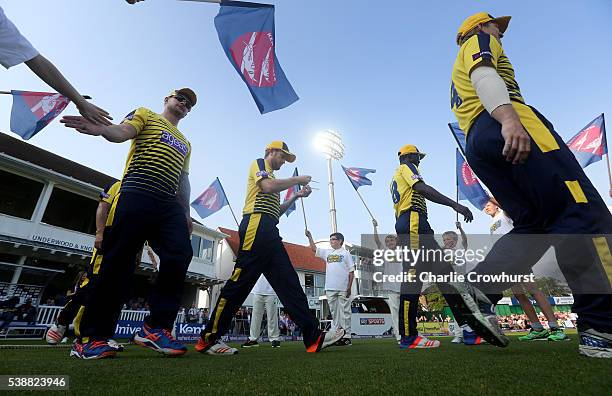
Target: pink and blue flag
{"type": "Point", "coordinates": [32, 111]}
{"type": "Point", "coordinates": [291, 191]}
{"type": "Point", "coordinates": [246, 33]}
{"type": "Point", "coordinates": [468, 185]}
{"type": "Point", "coordinates": [357, 176]}
{"type": "Point", "coordinates": [589, 145]}
{"type": "Point", "coordinates": [211, 200]}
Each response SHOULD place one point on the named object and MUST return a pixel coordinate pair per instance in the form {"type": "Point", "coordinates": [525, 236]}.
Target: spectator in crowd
{"type": "Point", "coordinates": [9, 310]}
{"type": "Point", "coordinates": [192, 314]}
{"type": "Point", "coordinates": [203, 316]}
{"type": "Point", "coordinates": [27, 312]}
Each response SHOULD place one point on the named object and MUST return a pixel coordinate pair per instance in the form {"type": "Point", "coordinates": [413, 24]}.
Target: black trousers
{"type": "Point", "coordinates": [262, 252]}
{"type": "Point", "coordinates": [414, 231]}
{"type": "Point", "coordinates": [133, 219]}
{"type": "Point", "coordinates": [552, 203]}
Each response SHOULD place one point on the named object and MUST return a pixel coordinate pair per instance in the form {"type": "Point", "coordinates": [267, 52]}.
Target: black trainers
{"type": "Point", "coordinates": [276, 344]}
{"type": "Point", "coordinates": [344, 342]}
{"type": "Point", "coordinates": [250, 344]}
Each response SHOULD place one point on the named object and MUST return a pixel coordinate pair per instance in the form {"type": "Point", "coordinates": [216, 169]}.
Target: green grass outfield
{"type": "Point", "coordinates": [369, 367]}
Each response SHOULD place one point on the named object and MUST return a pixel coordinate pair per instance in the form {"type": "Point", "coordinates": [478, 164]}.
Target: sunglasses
{"type": "Point", "coordinates": [183, 99]}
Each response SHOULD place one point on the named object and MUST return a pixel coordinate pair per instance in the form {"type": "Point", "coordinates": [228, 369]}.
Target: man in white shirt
{"type": "Point", "coordinates": [264, 297]}
{"type": "Point", "coordinates": [391, 289]}
{"type": "Point", "coordinates": [502, 224]}
{"type": "Point", "coordinates": [339, 274]}
{"type": "Point", "coordinates": [16, 49]}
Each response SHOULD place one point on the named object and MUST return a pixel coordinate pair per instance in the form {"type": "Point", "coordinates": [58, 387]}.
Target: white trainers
{"type": "Point", "coordinates": [331, 337]}
{"type": "Point", "coordinates": [595, 344]}
{"type": "Point", "coordinates": [55, 334]}
{"type": "Point", "coordinates": [221, 348]}
{"type": "Point", "coordinates": [115, 345]}
{"type": "Point", "coordinates": [457, 340]}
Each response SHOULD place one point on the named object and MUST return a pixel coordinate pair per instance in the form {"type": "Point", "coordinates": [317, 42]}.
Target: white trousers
{"type": "Point", "coordinates": [268, 303]}
{"type": "Point", "coordinates": [393, 300]}
{"type": "Point", "coordinates": [340, 307]}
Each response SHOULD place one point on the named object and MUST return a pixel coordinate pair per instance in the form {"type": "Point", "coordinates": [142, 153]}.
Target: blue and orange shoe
{"type": "Point", "coordinates": [471, 338]}
{"type": "Point", "coordinates": [418, 342]}
{"type": "Point", "coordinates": [159, 340]}
{"type": "Point", "coordinates": [92, 350]}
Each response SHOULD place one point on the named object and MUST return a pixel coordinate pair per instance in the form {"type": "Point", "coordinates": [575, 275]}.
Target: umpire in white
{"type": "Point", "coordinates": [264, 297]}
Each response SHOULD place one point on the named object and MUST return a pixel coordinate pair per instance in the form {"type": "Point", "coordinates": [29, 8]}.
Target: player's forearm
{"type": "Point", "coordinates": [433, 195]}
{"type": "Point", "coordinates": [285, 205]}
{"type": "Point", "coordinates": [101, 216]}
{"type": "Point", "coordinates": [350, 281]}
{"type": "Point", "coordinates": [277, 185]}
{"type": "Point", "coordinates": [118, 133]}
{"type": "Point", "coordinates": [506, 115]}
{"type": "Point", "coordinates": [50, 74]}
{"type": "Point", "coordinates": [184, 192]}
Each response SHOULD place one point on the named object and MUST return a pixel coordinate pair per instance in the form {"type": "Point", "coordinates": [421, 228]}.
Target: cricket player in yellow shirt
{"type": "Point", "coordinates": [516, 153]}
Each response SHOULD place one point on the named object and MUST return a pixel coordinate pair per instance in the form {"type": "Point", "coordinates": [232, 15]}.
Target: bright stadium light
{"type": "Point", "coordinates": [329, 142]}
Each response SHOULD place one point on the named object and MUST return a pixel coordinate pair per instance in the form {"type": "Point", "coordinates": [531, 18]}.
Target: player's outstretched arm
{"type": "Point", "coordinates": [113, 133]}
{"type": "Point", "coordinates": [433, 195]}
{"type": "Point", "coordinates": [47, 72]}
{"type": "Point", "coordinates": [277, 185]}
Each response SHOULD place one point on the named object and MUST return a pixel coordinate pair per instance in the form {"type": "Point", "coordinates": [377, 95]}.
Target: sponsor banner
{"type": "Point", "coordinates": [371, 321]}
{"type": "Point", "coordinates": [184, 332]}
{"type": "Point", "coordinates": [188, 332]}
{"type": "Point", "coordinates": [127, 328]}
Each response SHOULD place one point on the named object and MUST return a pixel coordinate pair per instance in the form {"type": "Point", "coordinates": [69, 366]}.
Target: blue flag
{"type": "Point", "coordinates": [246, 32]}
{"type": "Point", "coordinates": [291, 191]}
{"type": "Point", "coordinates": [468, 185]}
{"type": "Point", "coordinates": [458, 134]}
{"type": "Point", "coordinates": [357, 176]}
{"type": "Point", "coordinates": [589, 145]}
{"type": "Point", "coordinates": [32, 111]}
{"type": "Point", "coordinates": [211, 200]}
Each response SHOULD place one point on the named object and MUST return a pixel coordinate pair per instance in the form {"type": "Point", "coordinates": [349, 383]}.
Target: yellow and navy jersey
{"type": "Point", "coordinates": [158, 155]}
{"type": "Point", "coordinates": [479, 50]}
{"type": "Point", "coordinates": [404, 196]}
{"type": "Point", "coordinates": [256, 200]}
{"type": "Point", "coordinates": [110, 192]}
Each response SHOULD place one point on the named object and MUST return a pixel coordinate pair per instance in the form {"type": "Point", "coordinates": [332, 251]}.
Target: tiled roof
{"type": "Point", "coordinates": [301, 256]}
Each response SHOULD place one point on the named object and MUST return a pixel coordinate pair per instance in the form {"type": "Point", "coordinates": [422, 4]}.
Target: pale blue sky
{"type": "Point", "coordinates": [378, 72]}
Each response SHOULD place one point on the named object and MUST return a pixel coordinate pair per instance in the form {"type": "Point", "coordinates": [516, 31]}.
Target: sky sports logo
{"type": "Point", "coordinates": [174, 142]}
{"type": "Point", "coordinates": [371, 321]}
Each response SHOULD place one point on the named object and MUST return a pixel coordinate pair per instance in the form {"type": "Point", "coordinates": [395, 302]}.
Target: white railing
{"type": "Point", "coordinates": [46, 315]}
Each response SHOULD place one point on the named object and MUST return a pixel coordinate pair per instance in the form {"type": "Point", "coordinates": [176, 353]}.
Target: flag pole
{"type": "Point", "coordinates": [603, 118]}
{"type": "Point", "coordinates": [364, 204]}
{"type": "Point", "coordinates": [304, 213]}
{"type": "Point", "coordinates": [228, 203]}
{"type": "Point", "coordinates": [10, 93]}
{"type": "Point", "coordinates": [457, 195]}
